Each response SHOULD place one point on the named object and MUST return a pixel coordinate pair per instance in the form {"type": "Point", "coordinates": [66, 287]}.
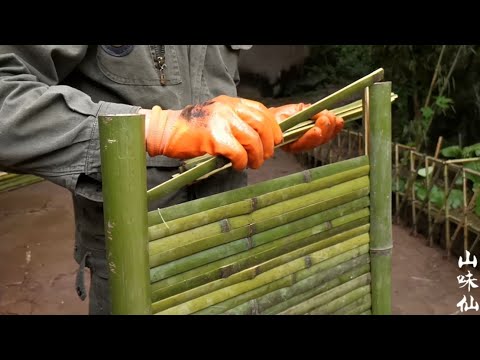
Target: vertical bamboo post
{"type": "Point", "coordinates": [447, 220]}
{"type": "Point", "coordinates": [122, 147]}
{"type": "Point", "coordinates": [412, 189]}
{"type": "Point", "coordinates": [465, 211]}
{"type": "Point", "coordinates": [429, 203]}
{"type": "Point", "coordinates": [379, 153]}
{"type": "Point", "coordinates": [397, 185]}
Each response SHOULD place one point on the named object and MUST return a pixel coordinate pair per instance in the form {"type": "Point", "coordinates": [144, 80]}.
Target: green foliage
{"type": "Point", "coordinates": [454, 151]}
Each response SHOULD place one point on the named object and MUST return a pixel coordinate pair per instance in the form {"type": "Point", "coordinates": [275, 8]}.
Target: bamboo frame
{"type": "Point", "coordinates": [313, 241]}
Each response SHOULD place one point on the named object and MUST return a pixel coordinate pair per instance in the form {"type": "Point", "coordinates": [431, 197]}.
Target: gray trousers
{"type": "Point", "coordinates": [90, 242]}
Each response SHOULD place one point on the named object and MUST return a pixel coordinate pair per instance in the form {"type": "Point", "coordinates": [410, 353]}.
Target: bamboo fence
{"type": "Point", "coordinates": [429, 208]}
{"type": "Point", "coordinates": [315, 242]}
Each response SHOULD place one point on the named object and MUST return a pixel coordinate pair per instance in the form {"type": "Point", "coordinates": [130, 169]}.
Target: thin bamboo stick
{"type": "Point", "coordinates": [380, 197]}
{"type": "Point", "coordinates": [328, 296]}
{"type": "Point", "coordinates": [263, 258]}
{"type": "Point", "coordinates": [251, 191]}
{"type": "Point", "coordinates": [285, 288]}
{"type": "Point", "coordinates": [331, 100]}
{"type": "Point", "coordinates": [236, 263]}
{"type": "Point", "coordinates": [311, 222]}
{"type": "Point", "coordinates": [247, 206]}
{"type": "Point", "coordinates": [218, 291]}
{"type": "Point", "coordinates": [204, 237]}
{"type": "Point", "coordinates": [447, 219]}
{"type": "Point", "coordinates": [124, 181]}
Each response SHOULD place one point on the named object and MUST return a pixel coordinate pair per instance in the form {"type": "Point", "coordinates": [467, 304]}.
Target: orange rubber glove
{"type": "Point", "coordinates": [242, 130]}
{"type": "Point", "coordinates": [327, 126]}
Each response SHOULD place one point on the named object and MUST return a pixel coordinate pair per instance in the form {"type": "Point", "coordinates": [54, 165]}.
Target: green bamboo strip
{"type": "Point", "coordinates": [251, 191]}
{"type": "Point", "coordinates": [197, 234]}
{"type": "Point", "coordinates": [18, 181]}
{"type": "Point", "coordinates": [236, 263]}
{"type": "Point", "coordinates": [186, 178]}
{"type": "Point", "coordinates": [328, 296]}
{"type": "Point", "coordinates": [354, 306]}
{"type": "Point", "coordinates": [365, 305]}
{"type": "Point", "coordinates": [368, 312]}
{"type": "Point", "coordinates": [217, 291]}
{"type": "Point", "coordinates": [340, 302]}
{"type": "Point", "coordinates": [381, 189]}
{"type": "Point", "coordinates": [247, 243]}
{"type": "Point", "coordinates": [247, 206]}
{"type": "Point", "coordinates": [124, 181]}
{"type": "Point", "coordinates": [331, 100]}
{"type": "Point", "coordinates": [277, 304]}
{"type": "Point", "coordinates": [285, 288]}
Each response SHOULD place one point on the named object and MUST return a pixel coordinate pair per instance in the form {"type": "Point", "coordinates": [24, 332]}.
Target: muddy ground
{"type": "Point", "coordinates": [37, 270]}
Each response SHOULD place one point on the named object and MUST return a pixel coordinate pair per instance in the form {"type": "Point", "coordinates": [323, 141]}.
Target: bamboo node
{"type": "Point", "coordinates": [254, 204]}
{"type": "Point", "coordinates": [225, 225]}
{"type": "Point", "coordinates": [250, 242]}
{"type": "Point", "coordinates": [308, 262]}
{"type": "Point", "coordinates": [384, 251]}
{"type": "Point", "coordinates": [251, 229]}
{"type": "Point", "coordinates": [255, 307]}
{"type": "Point", "coordinates": [307, 176]}
{"type": "Point", "coordinates": [159, 213]}
{"type": "Point", "coordinates": [226, 271]}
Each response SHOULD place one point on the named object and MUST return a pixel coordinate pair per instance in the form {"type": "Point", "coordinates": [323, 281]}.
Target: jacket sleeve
{"type": "Point", "coordinates": [47, 129]}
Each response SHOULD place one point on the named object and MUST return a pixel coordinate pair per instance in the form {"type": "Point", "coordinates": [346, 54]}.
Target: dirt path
{"type": "Point", "coordinates": [37, 270]}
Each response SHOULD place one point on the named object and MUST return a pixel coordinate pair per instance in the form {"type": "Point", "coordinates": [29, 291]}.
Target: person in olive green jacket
{"type": "Point", "coordinates": [51, 96]}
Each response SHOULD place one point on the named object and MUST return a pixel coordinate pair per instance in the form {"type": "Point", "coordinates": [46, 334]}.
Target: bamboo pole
{"type": "Point", "coordinates": [183, 244]}
{"type": "Point", "coordinates": [122, 149]}
{"type": "Point", "coordinates": [307, 225]}
{"type": "Point", "coordinates": [249, 279]}
{"type": "Point", "coordinates": [329, 101]}
{"type": "Point", "coordinates": [247, 206]}
{"type": "Point", "coordinates": [447, 219]}
{"type": "Point", "coordinates": [380, 197]}
{"type": "Point", "coordinates": [233, 264]}
{"type": "Point", "coordinates": [329, 296]}
{"type": "Point", "coordinates": [213, 201]}
{"type": "Point", "coordinates": [286, 288]}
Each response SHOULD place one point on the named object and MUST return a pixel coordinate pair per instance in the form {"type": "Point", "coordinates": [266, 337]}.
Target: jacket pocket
{"type": "Point", "coordinates": [135, 64]}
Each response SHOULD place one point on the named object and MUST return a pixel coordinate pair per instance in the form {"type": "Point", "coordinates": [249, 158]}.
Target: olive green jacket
{"type": "Point", "coordinates": [51, 95]}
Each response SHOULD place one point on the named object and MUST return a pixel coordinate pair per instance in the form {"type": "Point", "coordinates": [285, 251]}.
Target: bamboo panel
{"type": "Point", "coordinates": [307, 226]}
{"type": "Point", "coordinates": [220, 290]}
{"type": "Point", "coordinates": [264, 255]}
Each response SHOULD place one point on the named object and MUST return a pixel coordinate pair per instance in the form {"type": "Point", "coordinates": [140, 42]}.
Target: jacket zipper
{"type": "Point", "coordinates": [160, 62]}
